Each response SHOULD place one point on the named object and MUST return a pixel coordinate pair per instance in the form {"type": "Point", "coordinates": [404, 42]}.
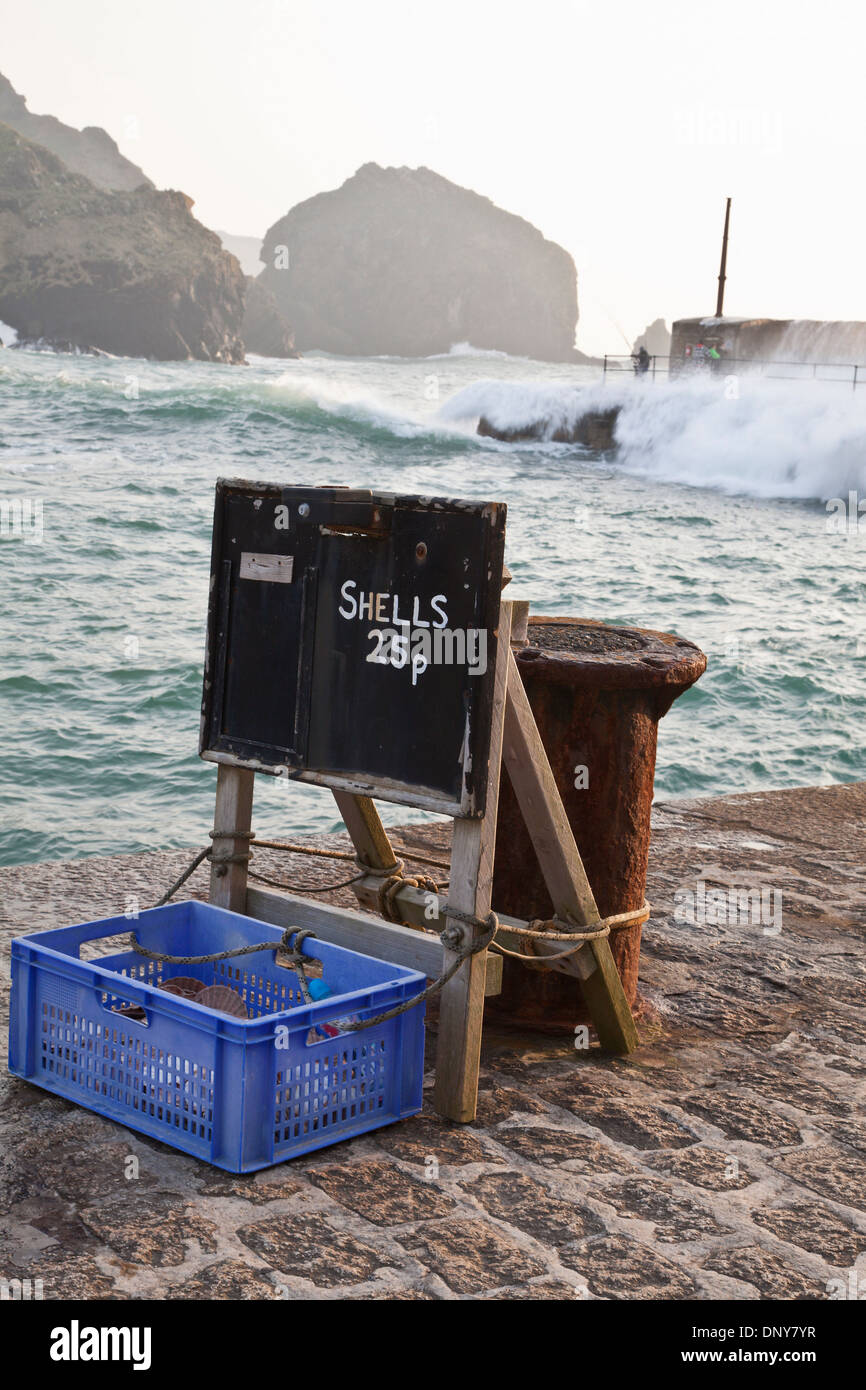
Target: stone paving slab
{"type": "Point", "coordinates": [725, 1159]}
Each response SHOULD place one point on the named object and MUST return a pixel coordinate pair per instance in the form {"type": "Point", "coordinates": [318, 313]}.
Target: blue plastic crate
{"type": "Point", "coordinates": [215, 1086]}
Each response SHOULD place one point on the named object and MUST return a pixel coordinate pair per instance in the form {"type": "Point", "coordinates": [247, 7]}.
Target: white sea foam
{"type": "Point", "coordinates": [8, 335]}
{"type": "Point", "coordinates": [762, 438]}
{"type": "Point", "coordinates": [350, 400]}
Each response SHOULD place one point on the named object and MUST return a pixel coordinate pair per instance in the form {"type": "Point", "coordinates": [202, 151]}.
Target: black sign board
{"type": "Point", "coordinates": [352, 640]}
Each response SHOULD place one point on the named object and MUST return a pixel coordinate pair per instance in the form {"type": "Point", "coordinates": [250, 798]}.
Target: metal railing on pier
{"type": "Point", "coordinates": [852, 374]}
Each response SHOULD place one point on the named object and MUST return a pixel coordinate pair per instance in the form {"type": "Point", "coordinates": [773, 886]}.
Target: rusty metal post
{"type": "Point", "coordinates": [597, 694]}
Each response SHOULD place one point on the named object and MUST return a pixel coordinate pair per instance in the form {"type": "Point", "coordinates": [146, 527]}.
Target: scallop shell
{"type": "Point", "coordinates": [183, 985]}
{"type": "Point", "coordinates": [223, 999]}
{"type": "Point", "coordinates": [133, 1011]}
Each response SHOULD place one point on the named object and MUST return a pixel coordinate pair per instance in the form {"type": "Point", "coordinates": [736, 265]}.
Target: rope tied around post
{"type": "Point", "coordinates": [221, 861]}
{"type": "Point", "coordinates": [537, 930]}
{"type": "Point", "coordinates": [394, 878]}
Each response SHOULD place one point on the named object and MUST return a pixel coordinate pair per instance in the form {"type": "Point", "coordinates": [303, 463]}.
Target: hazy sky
{"type": "Point", "coordinates": [617, 128]}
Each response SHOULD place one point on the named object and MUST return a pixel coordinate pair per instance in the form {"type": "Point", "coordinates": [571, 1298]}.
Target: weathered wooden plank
{"type": "Point", "coordinates": [400, 792]}
{"type": "Point", "coordinates": [271, 569]}
{"type": "Point", "coordinates": [519, 622]}
{"type": "Point", "coordinates": [370, 839]}
{"type": "Point", "coordinates": [606, 1001]}
{"type": "Point", "coordinates": [558, 856]}
{"type": "Point", "coordinates": [365, 828]}
{"type": "Point", "coordinates": [233, 811]}
{"type": "Point", "coordinates": [348, 927]}
{"type": "Point", "coordinates": [461, 1013]}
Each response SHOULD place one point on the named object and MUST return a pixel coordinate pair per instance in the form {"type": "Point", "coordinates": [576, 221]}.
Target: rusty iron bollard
{"type": "Point", "coordinates": [597, 693]}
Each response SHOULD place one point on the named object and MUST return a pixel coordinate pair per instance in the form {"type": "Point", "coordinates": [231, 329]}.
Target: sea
{"type": "Point", "coordinates": [730, 513]}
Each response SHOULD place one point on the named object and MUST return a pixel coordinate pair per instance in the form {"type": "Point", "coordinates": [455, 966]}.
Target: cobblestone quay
{"type": "Point", "coordinates": [726, 1158]}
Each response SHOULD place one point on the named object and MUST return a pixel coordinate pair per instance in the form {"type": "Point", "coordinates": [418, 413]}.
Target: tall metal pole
{"type": "Point", "coordinates": [720, 301]}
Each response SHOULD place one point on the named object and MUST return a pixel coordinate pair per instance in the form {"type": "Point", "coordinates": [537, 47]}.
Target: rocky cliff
{"type": "Point", "coordinates": [656, 338]}
{"type": "Point", "coordinates": [90, 152]}
{"type": "Point", "coordinates": [132, 273]}
{"type": "Point", "coordinates": [402, 262]}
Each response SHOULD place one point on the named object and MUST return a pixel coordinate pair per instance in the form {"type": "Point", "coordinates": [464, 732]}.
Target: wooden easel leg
{"type": "Point", "coordinates": [606, 1001]}
{"type": "Point", "coordinates": [461, 1012]}
{"type": "Point", "coordinates": [234, 809]}
{"type": "Point", "coordinates": [559, 858]}
{"type": "Point", "coordinates": [365, 827]}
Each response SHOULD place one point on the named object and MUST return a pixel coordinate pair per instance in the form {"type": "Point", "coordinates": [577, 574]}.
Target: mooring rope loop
{"type": "Point", "coordinates": [393, 878]}
{"type": "Point", "coordinates": [535, 931]}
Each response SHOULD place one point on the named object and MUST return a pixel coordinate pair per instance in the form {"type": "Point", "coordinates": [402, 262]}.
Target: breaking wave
{"type": "Point", "coordinates": [311, 396]}
{"type": "Point", "coordinates": [741, 435]}
{"type": "Point", "coordinates": [744, 435]}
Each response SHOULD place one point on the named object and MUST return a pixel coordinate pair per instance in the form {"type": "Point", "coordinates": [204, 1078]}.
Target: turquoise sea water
{"type": "Point", "coordinates": [709, 522]}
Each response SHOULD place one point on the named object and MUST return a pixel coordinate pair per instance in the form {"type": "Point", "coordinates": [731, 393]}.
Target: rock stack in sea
{"type": "Point", "coordinates": [402, 262]}
{"type": "Point", "coordinates": [656, 338]}
{"type": "Point", "coordinates": [265, 328]}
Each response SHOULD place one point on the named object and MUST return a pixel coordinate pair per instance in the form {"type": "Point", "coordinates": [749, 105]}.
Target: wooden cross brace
{"type": "Point", "coordinates": [516, 741]}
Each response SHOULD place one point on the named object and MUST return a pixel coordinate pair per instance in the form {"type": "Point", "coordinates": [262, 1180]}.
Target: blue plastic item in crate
{"type": "Point", "coordinates": [240, 1093]}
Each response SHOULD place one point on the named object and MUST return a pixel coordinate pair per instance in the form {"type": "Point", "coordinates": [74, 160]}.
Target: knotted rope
{"type": "Point", "coordinates": [393, 879]}
{"type": "Point", "coordinates": [221, 861]}
{"type": "Point", "coordinates": [537, 930]}
{"type": "Point", "coordinates": [292, 951]}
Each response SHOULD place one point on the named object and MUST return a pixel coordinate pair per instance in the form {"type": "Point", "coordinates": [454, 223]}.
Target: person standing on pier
{"type": "Point", "coordinates": [641, 360]}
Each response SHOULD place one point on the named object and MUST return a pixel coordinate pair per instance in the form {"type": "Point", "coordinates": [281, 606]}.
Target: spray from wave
{"type": "Point", "coordinates": [741, 435]}
{"type": "Point", "coordinates": [344, 399]}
